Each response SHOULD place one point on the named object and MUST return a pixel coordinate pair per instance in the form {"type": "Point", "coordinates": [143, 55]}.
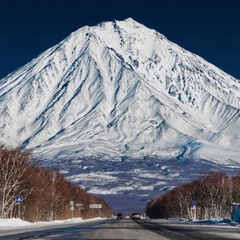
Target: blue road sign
{"type": "Point", "coordinates": [194, 203]}
{"type": "Point", "coordinates": [19, 199]}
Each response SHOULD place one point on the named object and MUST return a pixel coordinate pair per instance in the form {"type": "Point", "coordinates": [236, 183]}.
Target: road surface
{"type": "Point", "coordinates": [119, 229]}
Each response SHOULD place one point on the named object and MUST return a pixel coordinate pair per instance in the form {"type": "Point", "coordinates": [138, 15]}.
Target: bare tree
{"type": "Point", "coordinates": [13, 164]}
{"type": "Point", "coordinates": [217, 190]}
{"type": "Point", "coordinates": [236, 188]}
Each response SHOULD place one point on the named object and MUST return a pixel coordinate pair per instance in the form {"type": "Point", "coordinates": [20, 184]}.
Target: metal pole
{"type": "Point", "coordinates": [19, 210]}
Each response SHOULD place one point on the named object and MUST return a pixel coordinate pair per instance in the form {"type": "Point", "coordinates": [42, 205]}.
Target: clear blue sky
{"type": "Point", "coordinates": [209, 28]}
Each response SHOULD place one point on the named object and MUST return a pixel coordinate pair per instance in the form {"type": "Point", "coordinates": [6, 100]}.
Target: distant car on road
{"type": "Point", "coordinates": [135, 215]}
{"type": "Point", "coordinates": [119, 216]}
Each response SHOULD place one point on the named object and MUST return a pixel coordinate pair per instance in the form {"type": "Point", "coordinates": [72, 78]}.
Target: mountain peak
{"type": "Point", "coordinates": [128, 21]}
{"type": "Point", "coordinates": [121, 89]}
{"type": "Point", "coordinates": [131, 22]}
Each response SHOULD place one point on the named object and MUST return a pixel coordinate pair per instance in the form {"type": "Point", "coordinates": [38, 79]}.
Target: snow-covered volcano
{"type": "Point", "coordinates": [121, 89]}
{"type": "Point", "coordinates": [119, 108]}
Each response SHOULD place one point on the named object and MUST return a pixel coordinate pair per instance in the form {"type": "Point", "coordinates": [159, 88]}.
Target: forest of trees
{"type": "Point", "coordinates": [212, 192]}
{"type": "Point", "coordinates": [46, 193]}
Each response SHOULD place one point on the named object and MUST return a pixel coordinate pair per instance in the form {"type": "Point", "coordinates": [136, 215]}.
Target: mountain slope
{"type": "Point", "coordinates": [120, 89]}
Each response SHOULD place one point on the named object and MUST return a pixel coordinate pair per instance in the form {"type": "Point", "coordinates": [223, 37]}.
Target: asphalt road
{"type": "Point", "coordinates": [129, 230]}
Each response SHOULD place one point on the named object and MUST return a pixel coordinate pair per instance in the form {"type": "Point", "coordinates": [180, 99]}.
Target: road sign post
{"type": "Point", "coordinates": [80, 206]}
{"type": "Point", "coordinates": [96, 206]}
{"type": "Point", "coordinates": [194, 209]}
{"type": "Point", "coordinates": [18, 200]}
{"type": "Point", "coordinates": [72, 207]}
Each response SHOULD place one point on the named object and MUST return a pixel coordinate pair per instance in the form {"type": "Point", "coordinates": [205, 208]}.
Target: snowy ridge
{"type": "Point", "coordinates": [121, 89]}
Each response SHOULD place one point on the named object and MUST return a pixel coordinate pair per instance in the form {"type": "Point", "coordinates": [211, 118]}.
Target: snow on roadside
{"type": "Point", "coordinates": [12, 223]}
{"type": "Point", "coordinates": [205, 222]}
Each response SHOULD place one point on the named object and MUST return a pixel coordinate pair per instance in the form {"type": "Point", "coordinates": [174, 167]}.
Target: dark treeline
{"type": "Point", "coordinates": [214, 192]}
{"type": "Point", "coordinates": [46, 193]}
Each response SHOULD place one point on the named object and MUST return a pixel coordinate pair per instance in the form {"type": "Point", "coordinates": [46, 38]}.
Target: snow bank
{"type": "Point", "coordinates": [18, 223]}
